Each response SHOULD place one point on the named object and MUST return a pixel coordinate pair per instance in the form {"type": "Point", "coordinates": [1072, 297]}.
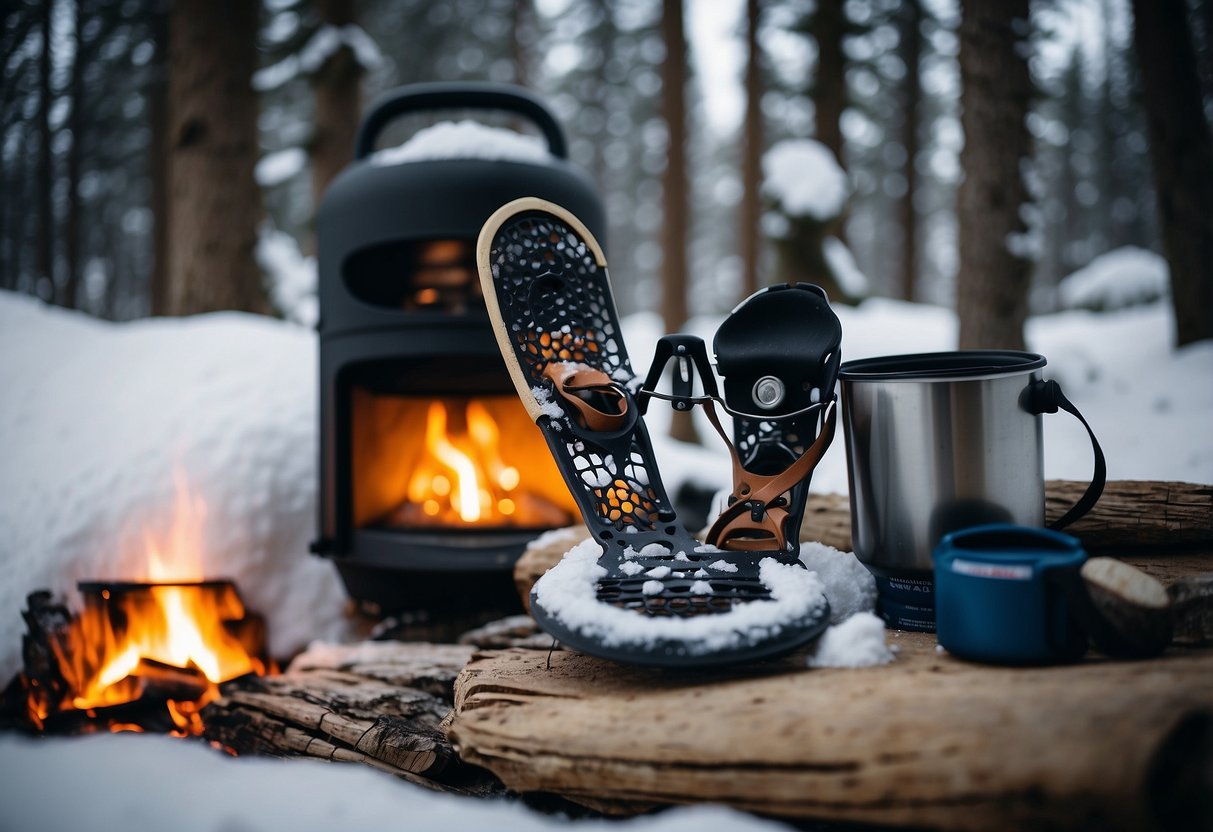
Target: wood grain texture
{"type": "Point", "coordinates": [376, 703]}
{"type": "Point", "coordinates": [926, 741]}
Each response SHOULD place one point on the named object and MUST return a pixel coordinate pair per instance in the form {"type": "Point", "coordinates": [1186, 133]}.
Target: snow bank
{"type": "Point", "coordinates": [133, 781]}
{"type": "Point", "coordinates": [804, 178]}
{"type": "Point", "coordinates": [97, 417]}
{"type": "Point", "coordinates": [846, 271]}
{"type": "Point", "coordinates": [849, 586]}
{"type": "Point", "coordinates": [465, 140]}
{"type": "Point", "coordinates": [1127, 276]}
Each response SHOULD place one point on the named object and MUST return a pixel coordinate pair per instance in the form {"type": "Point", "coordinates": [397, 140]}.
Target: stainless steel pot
{"type": "Point", "coordinates": [938, 442]}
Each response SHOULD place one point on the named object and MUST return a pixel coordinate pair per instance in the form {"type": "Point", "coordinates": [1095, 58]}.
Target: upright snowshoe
{"type": "Point", "coordinates": [648, 592]}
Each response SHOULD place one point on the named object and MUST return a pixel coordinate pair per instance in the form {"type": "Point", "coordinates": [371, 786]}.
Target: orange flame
{"type": "Point", "coordinates": [179, 636]}
{"type": "Point", "coordinates": [462, 477]}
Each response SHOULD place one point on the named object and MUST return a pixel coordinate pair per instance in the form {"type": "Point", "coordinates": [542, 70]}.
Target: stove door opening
{"type": "Point", "coordinates": [452, 462]}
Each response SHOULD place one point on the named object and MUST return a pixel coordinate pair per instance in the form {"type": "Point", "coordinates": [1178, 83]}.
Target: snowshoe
{"type": "Point", "coordinates": [643, 590]}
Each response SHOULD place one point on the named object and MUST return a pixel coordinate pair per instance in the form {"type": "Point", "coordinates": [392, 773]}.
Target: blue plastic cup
{"type": "Point", "coordinates": [1007, 594]}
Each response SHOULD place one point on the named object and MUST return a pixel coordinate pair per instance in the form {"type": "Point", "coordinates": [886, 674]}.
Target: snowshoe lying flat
{"type": "Point", "coordinates": [778, 353]}
{"type": "Point", "coordinates": [643, 591]}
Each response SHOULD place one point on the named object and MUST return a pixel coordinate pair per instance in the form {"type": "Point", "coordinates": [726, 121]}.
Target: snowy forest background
{"type": "Point", "coordinates": [101, 101]}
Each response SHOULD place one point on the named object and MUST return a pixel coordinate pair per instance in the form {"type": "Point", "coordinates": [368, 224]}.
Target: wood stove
{"type": "Point", "coordinates": [432, 477]}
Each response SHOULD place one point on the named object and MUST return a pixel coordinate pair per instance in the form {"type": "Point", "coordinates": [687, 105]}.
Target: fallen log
{"type": "Point", "coordinates": [376, 703]}
{"type": "Point", "coordinates": [926, 741]}
{"type": "Point", "coordinates": [1134, 520]}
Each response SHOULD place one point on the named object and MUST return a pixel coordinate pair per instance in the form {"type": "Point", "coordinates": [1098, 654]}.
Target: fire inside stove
{"type": "Point", "coordinates": [453, 462]}
{"type": "Point", "coordinates": [163, 641]}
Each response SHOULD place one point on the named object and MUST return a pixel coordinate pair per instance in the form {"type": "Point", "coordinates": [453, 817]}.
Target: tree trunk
{"type": "Point", "coordinates": [830, 85]}
{"type": "Point", "coordinates": [911, 51]}
{"type": "Point", "coordinates": [44, 246]}
{"type": "Point", "coordinates": [75, 125]}
{"type": "Point", "coordinates": [674, 190]}
{"type": "Point", "coordinates": [159, 153]}
{"type": "Point", "coordinates": [337, 90]}
{"type": "Point", "coordinates": [751, 159]}
{"type": "Point", "coordinates": [1182, 154]}
{"type": "Point", "coordinates": [214, 202]}
{"type": "Point", "coordinates": [992, 287]}
{"type": "Point", "coordinates": [522, 40]}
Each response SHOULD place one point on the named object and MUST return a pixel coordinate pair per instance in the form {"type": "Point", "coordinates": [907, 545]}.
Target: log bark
{"type": "Point", "coordinates": [926, 741]}
{"type": "Point", "coordinates": [1139, 521]}
{"type": "Point", "coordinates": [376, 703]}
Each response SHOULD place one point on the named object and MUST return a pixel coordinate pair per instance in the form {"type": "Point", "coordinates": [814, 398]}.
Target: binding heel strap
{"type": "Point", "coordinates": [757, 514]}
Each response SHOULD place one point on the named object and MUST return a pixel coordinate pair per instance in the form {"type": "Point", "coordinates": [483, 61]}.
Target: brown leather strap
{"type": "Point", "coordinates": [570, 383]}
{"type": "Point", "coordinates": [763, 490]}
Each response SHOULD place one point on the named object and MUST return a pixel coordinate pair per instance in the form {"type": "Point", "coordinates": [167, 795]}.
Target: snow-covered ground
{"type": "Point", "coordinates": [98, 421]}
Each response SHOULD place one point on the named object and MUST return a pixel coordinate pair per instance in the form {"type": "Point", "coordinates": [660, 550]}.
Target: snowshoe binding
{"type": "Point", "coordinates": [643, 590]}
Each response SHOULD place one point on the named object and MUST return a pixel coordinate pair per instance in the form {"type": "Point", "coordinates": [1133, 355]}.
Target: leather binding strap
{"type": "Point", "coordinates": [756, 516]}
{"type": "Point", "coordinates": [580, 386]}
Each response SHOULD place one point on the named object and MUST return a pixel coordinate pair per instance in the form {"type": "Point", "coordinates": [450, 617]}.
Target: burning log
{"type": "Point", "coordinates": [377, 703]}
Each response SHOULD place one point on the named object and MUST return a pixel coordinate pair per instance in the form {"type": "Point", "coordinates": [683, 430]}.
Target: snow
{"type": "Point", "coordinates": [568, 593]}
{"type": "Point", "coordinates": [630, 568]}
{"type": "Point", "coordinates": [465, 140]}
{"type": "Point", "coordinates": [852, 281]}
{"type": "Point", "coordinates": [857, 642]}
{"type": "Point", "coordinates": [722, 566]}
{"type": "Point", "coordinates": [849, 586]}
{"type": "Point", "coordinates": [323, 43]}
{"type": "Point", "coordinates": [805, 179]}
{"type": "Point", "coordinates": [701, 588]}
{"type": "Point", "coordinates": [290, 276]}
{"type": "Point", "coordinates": [99, 421]}
{"type": "Point", "coordinates": [138, 781]}
{"type": "Point", "coordinates": [547, 407]}
{"type": "Point", "coordinates": [277, 167]}
{"type": "Point", "coordinates": [1127, 276]}
{"type": "Point", "coordinates": [328, 39]}
{"type": "Point", "coordinates": [658, 572]}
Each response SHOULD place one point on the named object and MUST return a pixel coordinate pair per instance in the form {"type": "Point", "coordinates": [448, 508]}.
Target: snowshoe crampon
{"type": "Point", "coordinates": [642, 590]}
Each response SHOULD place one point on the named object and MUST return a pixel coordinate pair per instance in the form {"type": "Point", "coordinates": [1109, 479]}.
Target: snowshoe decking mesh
{"type": "Point", "coordinates": [549, 297]}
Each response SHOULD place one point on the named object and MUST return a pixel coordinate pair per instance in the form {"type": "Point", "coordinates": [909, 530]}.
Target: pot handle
{"type": "Point", "coordinates": [457, 96]}
{"type": "Point", "coordinates": [1046, 397]}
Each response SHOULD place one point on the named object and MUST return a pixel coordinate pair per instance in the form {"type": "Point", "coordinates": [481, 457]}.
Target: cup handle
{"type": "Point", "coordinates": [1047, 397]}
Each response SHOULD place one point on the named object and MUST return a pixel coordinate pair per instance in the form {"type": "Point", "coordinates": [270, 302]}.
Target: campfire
{"type": "Point", "coordinates": [165, 641]}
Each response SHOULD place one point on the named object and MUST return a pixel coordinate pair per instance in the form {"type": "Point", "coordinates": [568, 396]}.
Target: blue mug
{"type": "Point", "coordinates": [1007, 594]}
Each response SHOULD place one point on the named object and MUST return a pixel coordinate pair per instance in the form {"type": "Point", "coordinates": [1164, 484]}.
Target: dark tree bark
{"type": "Point", "coordinates": [751, 159]}
{"type": "Point", "coordinates": [337, 90]}
{"type": "Point", "coordinates": [158, 158]}
{"type": "Point", "coordinates": [44, 246]}
{"type": "Point", "coordinates": [522, 40]}
{"type": "Point", "coordinates": [828, 25]}
{"type": "Point", "coordinates": [215, 204]}
{"type": "Point", "coordinates": [911, 48]}
{"type": "Point", "coordinates": [674, 189]}
{"type": "Point", "coordinates": [75, 124]}
{"type": "Point", "coordinates": [992, 287]}
{"type": "Point", "coordinates": [1182, 154]}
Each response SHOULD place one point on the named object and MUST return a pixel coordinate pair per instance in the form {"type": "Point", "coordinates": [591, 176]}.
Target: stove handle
{"type": "Point", "coordinates": [458, 95]}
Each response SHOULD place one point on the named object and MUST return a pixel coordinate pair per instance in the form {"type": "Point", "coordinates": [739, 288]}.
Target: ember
{"type": "Point", "coordinates": [169, 640]}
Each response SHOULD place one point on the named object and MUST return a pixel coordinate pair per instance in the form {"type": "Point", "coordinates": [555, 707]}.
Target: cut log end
{"type": "Point", "coordinates": [1192, 609]}
{"type": "Point", "coordinates": [1134, 609]}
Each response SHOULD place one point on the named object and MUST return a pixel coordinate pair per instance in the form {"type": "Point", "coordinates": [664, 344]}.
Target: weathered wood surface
{"type": "Point", "coordinates": [1138, 517]}
{"type": "Point", "coordinates": [376, 703]}
{"type": "Point", "coordinates": [926, 741]}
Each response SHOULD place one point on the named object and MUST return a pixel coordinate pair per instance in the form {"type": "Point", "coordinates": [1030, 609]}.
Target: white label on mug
{"type": "Point", "coordinates": [998, 571]}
